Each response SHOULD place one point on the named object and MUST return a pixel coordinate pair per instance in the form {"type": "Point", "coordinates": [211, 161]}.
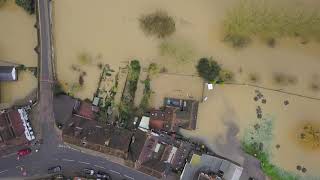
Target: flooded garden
{"type": "Point", "coordinates": [18, 39]}
{"type": "Point", "coordinates": [276, 84]}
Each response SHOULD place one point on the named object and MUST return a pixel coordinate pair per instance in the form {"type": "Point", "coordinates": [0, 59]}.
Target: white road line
{"type": "Point", "coordinates": [8, 155]}
{"type": "Point", "coordinates": [3, 171]}
{"type": "Point", "coordinates": [83, 162]}
{"type": "Point", "coordinates": [128, 177]}
{"type": "Point", "coordinates": [70, 160]}
{"type": "Point", "coordinates": [114, 171]}
{"type": "Point", "coordinates": [99, 167]}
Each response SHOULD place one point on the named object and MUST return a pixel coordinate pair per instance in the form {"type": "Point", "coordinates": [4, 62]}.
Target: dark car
{"type": "Point", "coordinates": [24, 152]}
{"type": "Point", "coordinates": [54, 169]}
{"type": "Point", "coordinates": [103, 175]}
{"type": "Point", "coordinates": [88, 171]}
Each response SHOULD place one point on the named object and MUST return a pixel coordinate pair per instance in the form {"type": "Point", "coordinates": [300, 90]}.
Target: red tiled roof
{"type": "Point", "coordinates": [86, 110]}
{"type": "Point", "coordinates": [156, 124]}
{"type": "Point", "coordinates": [16, 122]}
{"type": "Point", "coordinates": [162, 119]}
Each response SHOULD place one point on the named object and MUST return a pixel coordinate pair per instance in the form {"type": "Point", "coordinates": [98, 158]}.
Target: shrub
{"type": "Point", "coordinates": [226, 76]}
{"type": "Point", "coordinates": [158, 24]}
{"type": "Point", "coordinates": [2, 2]}
{"type": "Point", "coordinates": [27, 5]}
{"type": "Point", "coordinates": [180, 51]}
{"type": "Point", "coordinates": [84, 58]}
{"type": "Point", "coordinates": [255, 19]}
{"type": "Point", "coordinates": [208, 69]}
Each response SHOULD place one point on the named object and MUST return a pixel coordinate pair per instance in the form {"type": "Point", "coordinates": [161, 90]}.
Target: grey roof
{"type": "Point", "coordinates": [212, 164]}
{"type": "Point", "coordinates": [8, 73]}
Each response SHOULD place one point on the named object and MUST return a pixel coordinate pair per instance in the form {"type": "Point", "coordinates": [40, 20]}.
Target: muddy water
{"type": "Point", "coordinates": [110, 28]}
{"type": "Point", "coordinates": [17, 40]}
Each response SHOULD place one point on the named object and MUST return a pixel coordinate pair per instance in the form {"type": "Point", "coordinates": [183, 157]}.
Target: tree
{"type": "Point", "coordinates": [27, 5]}
{"type": "Point", "coordinates": [159, 24]}
{"type": "Point", "coordinates": [2, 2]}
{"type": "Point", "coordinates": [208, 69]}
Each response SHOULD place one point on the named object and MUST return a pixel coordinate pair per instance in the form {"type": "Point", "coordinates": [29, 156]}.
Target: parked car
{"type": "Point", "coordinates": [88, 171]}
{"type": "Point", "coordinates": [54, 169]}
{"type": "Point", "coordinates": [103, 175]}
{"type": "Point", "coordinates": [24, 152]}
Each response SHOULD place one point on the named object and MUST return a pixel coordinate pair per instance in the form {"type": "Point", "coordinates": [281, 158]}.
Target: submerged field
{"type": "Point", "coordinates": [18, 39]}
{"type": "Point", "coordinates": [109, 32]}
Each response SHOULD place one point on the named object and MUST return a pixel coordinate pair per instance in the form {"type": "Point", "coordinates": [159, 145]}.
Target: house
{"type": "Point", "coordinates": [159, 156]}
{"type": "Point", "coordinates": [8, 73]}
{"type": "Point", "coordinates": [186, 112]}
{"type": "Point", "coordinates": [163, 120]}
{"type": "Point", "coordinates": [177, 113]}
{"type": "Point", "coordinates": [206, 166]}
{"type": "Point", "coordinates": [15, 128]}
{"type": "Point", "coordinates": [96, 136]}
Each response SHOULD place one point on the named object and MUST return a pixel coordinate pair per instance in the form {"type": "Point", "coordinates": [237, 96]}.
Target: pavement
{"type": "Point", "coordinates": [53, 151]}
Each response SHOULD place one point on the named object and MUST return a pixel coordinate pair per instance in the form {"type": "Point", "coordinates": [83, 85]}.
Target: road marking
{"type": "Point", "coordinates": [128, 177]}
{"type": "Point", "coordinates": [99, 167]}
{"type": "Point", "coordinates": [83, 162]}
{"type": "Point", "coordinates": [8, 155]}
{"type": "Point", "coordinates": [70, 160]}
{"type": "Point", "coordinates": [114, 171]}
{"type": "Point", "coordinates": [3, 171]}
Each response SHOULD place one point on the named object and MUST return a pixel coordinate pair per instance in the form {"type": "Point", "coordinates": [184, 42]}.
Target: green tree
{"type": "Point", "coordinates": [208, 69]}
{"type": "Point", "coordinates": [27, 5]}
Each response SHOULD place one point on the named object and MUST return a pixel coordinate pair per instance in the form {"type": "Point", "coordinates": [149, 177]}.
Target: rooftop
{"type": "Point", "coordinates": [186, 113]}
{"type": "Point", "coordinates": [85, 110]}
{"type": "Point", "coordinates": [158, 156]}
{"type": "Point", "coordinates": [8, 73]}
{"type": "Point", "coordinates": [212, 165]}
{"type": "Point", "coordinates": [97, 133]}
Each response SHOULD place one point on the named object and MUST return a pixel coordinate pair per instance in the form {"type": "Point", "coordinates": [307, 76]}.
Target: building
{"type": "Point", "coordinates": [164, 120]}
{"type": "Point", "coordinates": [85, 110]}
{"type": "Point", "coordinates": [177, 113]}
{"type": "Point", "coordinates": [96, 136]}
{"type": "Point", "coordinates": [8, 73]}
{"type": "Point", "coordinates": [186, 112]}
{"type": "Point", "coordinates": [160, 155]}
{"type": "Point", "coordinates": [210, 167]}
{"type": "Point", "coordinates": [15, 128]}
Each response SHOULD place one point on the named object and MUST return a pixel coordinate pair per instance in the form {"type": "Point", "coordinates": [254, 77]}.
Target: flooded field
{"type": "Point", "coordinates": [109, 31]}
{"type": "Point", "coordinates": [17, 41]}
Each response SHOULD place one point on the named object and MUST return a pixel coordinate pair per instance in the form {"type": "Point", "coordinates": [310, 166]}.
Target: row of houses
{"type": "Point", "coordinates": [146, 148]}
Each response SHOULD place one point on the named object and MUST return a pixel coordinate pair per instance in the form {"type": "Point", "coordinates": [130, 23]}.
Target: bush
{"type": "Point", "coordinates": [181, 51]}
{"type": "Point", "coordinates": [58, 89]}
{"type": "Point", "coordinates": [27, 5]}
{"type": "Point", "coordinates": [126, 108]}
{"type": "Point", "coordinates": [158, 24]}
{"type": "Point", "coordinates": [226, 76]}
{"type": "Point", "coordinates": [208, 69]}
{"type": "Point", "coordinates": [263, 20]}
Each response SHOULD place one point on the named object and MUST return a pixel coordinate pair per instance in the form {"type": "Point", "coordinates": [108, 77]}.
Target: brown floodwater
{"type": "Point", "coordinates": [17, 41]}
{"type": "Point", "coordinates": [110, 29]}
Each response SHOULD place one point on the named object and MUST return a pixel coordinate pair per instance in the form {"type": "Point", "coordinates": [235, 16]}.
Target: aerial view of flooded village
{"type": "Point", "coordinates": [160, 89]}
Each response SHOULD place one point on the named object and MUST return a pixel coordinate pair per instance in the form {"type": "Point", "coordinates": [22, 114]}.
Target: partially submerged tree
{"type": "Point", "coordinates": [159, 24]}
{"type": "Point", "coordinates": [209, 69]}
{"type": "Point", "coordinates": [2, 2]}
{"type": "Point", "coordinates": [27, 5]}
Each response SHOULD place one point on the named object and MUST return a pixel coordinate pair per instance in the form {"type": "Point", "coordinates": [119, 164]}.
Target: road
{"type": "Point", "coordinates": [53, 152]}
